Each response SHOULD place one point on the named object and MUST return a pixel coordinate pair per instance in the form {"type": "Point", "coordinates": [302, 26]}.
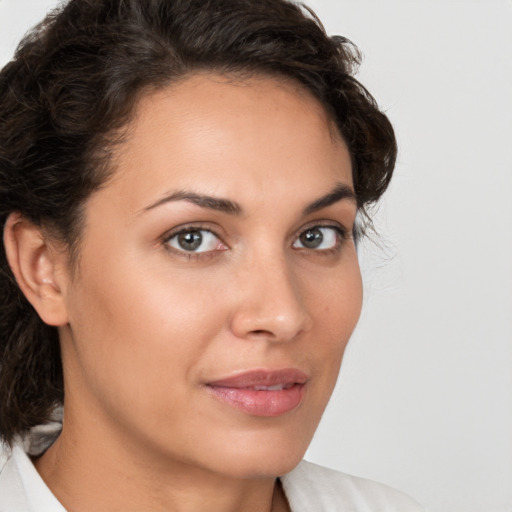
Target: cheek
{"type": "Point", "coordinates": [137, 332]}
{"type": "Point", "coordinates": [335, 297]}
{"type": "Point", "coordinates": [337, 306]}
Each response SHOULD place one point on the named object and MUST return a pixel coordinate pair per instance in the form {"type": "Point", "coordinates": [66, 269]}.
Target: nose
{"type": "Point", "coordinates": [269, 303]}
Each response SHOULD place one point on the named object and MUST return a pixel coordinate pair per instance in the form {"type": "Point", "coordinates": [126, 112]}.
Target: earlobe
{"type": "Point", "coordinates": [36, 268]}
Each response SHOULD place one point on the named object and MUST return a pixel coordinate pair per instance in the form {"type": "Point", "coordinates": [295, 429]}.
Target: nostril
{"type": "Point", "coordinates": [275, 317]}
{"type": "Point", "coordinates": [261, 332]}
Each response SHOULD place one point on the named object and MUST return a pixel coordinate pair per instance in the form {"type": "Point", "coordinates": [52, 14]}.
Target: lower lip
{"type": "Point", "coordinates": [261, 403]}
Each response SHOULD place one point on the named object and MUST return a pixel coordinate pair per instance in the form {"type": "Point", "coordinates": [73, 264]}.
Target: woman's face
{"type": "Point", "coordinates": [218, 282]}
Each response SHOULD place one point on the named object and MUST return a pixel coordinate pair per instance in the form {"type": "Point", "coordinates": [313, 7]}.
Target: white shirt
{"type": "Point", "coordinates": [308, 488]}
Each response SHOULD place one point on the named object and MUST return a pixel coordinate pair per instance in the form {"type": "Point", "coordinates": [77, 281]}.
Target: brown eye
{"type": "Point", "coordinates": [318, 237]}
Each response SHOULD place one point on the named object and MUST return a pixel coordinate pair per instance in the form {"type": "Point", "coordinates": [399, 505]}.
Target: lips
{"type": "Point", "coordinates": [262, 392]}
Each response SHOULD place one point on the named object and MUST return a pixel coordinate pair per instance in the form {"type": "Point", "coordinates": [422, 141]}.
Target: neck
{"type": "Point", "coordinates": [100, 472]}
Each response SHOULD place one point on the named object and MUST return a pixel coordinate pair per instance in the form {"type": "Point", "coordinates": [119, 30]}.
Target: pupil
{"type": "Point", "coordinates": [190, 241]}
{"type": "Point", "coordinates": [312, 238]}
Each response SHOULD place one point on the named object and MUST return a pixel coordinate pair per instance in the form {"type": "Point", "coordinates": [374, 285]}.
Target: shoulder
{"type": "Point", "coordinates": [5, 454]}
{"type": "Point", "coordinates": [5, 462]}
{"type": "Point", "coordinates": [21, 487]}
{"type": "Point", "coordinates": [11, 486]}
{"type": "Point", "coordinates": [326, 490]}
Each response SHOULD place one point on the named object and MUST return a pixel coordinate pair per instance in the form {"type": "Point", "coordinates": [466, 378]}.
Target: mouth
{"type": "Point", "coordinates": [262, 392]}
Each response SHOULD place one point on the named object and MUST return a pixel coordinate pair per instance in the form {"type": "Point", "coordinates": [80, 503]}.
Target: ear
{"type": "Point", "coordinates": [39, 271]}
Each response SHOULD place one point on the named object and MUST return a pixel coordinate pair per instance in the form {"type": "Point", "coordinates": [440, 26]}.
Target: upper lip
{"type": "Point", "coordinates": [262, 378]}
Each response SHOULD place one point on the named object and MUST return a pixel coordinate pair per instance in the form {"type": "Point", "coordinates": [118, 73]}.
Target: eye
{"type": "Point", "coordinates": [195, 241]}
{"type": "Point", "coordinates": [318, 238]}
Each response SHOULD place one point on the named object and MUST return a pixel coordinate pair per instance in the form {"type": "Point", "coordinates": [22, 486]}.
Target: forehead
{"type": "Point", "coordinates": [218, 134]}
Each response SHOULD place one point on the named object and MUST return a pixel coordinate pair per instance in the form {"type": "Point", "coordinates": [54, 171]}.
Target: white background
{"type": "Point", "coordinates": [425, 398]}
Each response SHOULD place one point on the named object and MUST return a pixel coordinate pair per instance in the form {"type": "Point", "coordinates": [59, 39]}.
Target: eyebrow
{"type": "Point", "coordinates": [204, 201]}
{"type": "Point", "coordinates": [341, 191]}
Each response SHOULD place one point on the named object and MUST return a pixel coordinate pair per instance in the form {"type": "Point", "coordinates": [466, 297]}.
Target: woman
{"type": "Point", "coordinates": [179, 188]}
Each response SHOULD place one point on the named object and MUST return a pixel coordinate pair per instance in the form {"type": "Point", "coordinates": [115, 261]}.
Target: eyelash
{"type": "Point", "coordinates": [190, 255]}
{"type": "Point", "coordinates": [342, 235]}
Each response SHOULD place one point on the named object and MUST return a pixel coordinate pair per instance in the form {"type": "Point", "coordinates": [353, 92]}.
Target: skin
{"type": "Point", "coordinates": [144, 324]}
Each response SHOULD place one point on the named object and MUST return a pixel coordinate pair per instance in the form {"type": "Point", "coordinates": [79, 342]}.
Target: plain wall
{"type": "Point", "coordinates": [424, 401]}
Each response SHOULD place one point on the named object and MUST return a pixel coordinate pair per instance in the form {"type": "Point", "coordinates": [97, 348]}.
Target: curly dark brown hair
{"type": "Point", "coordinates": [73, 84]}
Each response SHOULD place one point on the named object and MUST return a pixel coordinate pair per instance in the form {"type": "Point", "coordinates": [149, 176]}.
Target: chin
{"type": "Point", "coordinates": [266, 457]}
{"type": "Point", "coordinates": [278, 466]}
{"type": "Point", "coordinates": [260, 467]}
